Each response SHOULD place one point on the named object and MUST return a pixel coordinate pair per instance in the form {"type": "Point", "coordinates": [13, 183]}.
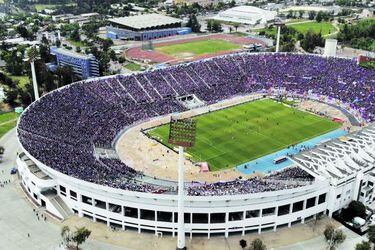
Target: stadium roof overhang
{"type": "Point", "coordinates": [341, 158]}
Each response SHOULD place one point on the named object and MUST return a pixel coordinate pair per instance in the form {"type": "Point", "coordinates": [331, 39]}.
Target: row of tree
{"type": "Point", "coordinates": [289, 37]}
{"type": "Point", "coordinates": [360, 35]}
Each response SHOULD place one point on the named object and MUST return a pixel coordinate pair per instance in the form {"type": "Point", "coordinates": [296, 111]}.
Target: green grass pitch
{"type": "Point", "coordinates": [324, 27]}
{"type": "Point", "coordinates": [199, 47]}
{"type": "Point", "coordinates": [238, 134]}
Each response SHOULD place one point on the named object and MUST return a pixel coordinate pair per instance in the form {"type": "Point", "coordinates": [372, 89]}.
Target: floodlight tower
{"type": "Point", "coordinates": [182, 134]}
{"type": "Point", "coordinates": [279, 24]}
{"type": "Point", "coordinates": [32, 56]}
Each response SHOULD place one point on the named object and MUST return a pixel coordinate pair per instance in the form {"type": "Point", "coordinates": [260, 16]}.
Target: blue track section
{"type": "Point", "coordinates": [265, 164]}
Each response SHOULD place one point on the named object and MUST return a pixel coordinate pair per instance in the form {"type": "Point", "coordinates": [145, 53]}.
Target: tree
{"type": "Point", "coordinates": [358, 35]}
{"type": "Point", "coordinates": [243, 243]}
{"type": "Point", "coordinates": [301, 12]}
{"type": "Point", "coordinates": [232, 3]}
{"type": "Point", "coordinates": [209, 25]}
{"type": "Point", "coordinates": [80, 236]}
{"type": "Point", "coordinates": [66, 235]}
{"type": "Point", "coordinates": [334, 237]}
{"type": "Point", "coordinates": [65, 75]}
{"type": "Point", "coordinates": [371, 233]}
{"type": "Point", "coordinates": [364, 245]}
{"type": "Point", "coordinates": [216, 26]}
{"type": "Point", "coordinates": [91, 29]}
{"type": "Point", "coordinates": [312, 15]}
{"type": "Point", "coordinates": [75, 35]}
{"type": "Point", "coordinates": [257, 244]}
{"type": "Point", "coordinates": [44, 52]}
{"type": "Point", "coordinates": [319, 16]}
{"type": "Point", "coordinates": [311, 40]}
{"type": "Point", "coordinates": [14, 61]}
{"type": "Point", "coordinates": [106, 43]}
{"type": "Point", "coordinates": [194, 24]}
{"type": "Point", "coordinates": [58, 43]}
{"type": "Point", "coordinates": [236, 25]}
{"type": "Point", "coordinates": [354, 209]}
{"type": "Point", "coordinates": [3, 30]}
{"type": "Point", "coordinates": [290, 14]}
{"type": "Point", "coordinates": [24, 32]}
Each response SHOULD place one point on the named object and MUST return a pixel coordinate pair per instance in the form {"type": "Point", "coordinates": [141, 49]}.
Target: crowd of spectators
{"type": "Point", "coordinates": [273, 182]}
{"type": "Point", "coordinates": [62, 128]}
{"type": "Point", "coordinates": [294, 173]}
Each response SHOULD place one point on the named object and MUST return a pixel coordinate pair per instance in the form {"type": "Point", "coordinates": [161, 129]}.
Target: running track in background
{"type": "Point", "coordinates": [137, 53]}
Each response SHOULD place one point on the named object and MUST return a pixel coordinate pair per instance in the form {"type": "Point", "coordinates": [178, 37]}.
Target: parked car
{"type": "Point", "coordinates": [358, 222]}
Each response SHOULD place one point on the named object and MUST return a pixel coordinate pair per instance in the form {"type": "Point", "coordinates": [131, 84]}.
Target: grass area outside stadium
{"type": "Point", "coordinates": [133, 66]}
{"type": "Point", "coordinates": [200, 47]}
{"type": "Point", "coordinates": [41, 7]}
{"type": "Point", "coordinates": [325, 27]}
{"type": "Point", "coordinates": [239, 134]}
{"type": "Point", "coordinates": [7, 122]}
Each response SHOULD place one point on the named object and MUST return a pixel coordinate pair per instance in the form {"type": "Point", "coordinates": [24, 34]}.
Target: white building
{"type": "Point", "coordinates": [348, 163]}
{"type": "Point", "coordinates": [246, 15]}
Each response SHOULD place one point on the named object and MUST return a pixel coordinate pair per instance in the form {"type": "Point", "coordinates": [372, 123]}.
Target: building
{"type": "Point", "coordinates": [145, 27]}
{"type": "Point", "coordinates": [80, 19]}
{"type": "Point", "coordinates": [348, 162]}
{"type": "Point", "coordinates": [306, 8]}
{"type": "Point", "coordinates": [246, 15]}
{"type": "Point", "coordinates": [84, 66]}
{"type": "Point", "coordinates": [366, 13]}
{"type": "Point", "coordinates": [200, 2]}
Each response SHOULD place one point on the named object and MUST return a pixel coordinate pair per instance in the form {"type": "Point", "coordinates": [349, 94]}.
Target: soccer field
{"type": "Point", "coordinates": [235, 135]}
{"type": "Point", "coordinates": [200, 47]}
{"type": "Point", "coordinates": [324, 27]}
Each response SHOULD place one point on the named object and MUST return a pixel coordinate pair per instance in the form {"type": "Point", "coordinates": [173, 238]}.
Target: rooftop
{"type": "Point", "coordinates": [145, 21]}
{"type": "Point", "coordinates": [70, 53]}
{"type": "Point", "coordinates": [246, 14]}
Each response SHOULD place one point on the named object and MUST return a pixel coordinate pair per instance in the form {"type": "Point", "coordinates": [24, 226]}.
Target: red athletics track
{"type": "Point", "coordinates": [154, 56]}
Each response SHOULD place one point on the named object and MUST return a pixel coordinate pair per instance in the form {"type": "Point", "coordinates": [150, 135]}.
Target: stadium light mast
{"type": "Point", "coordinates": [279, 24]}
{"type": "Point", "coordinates": [182, 134]}
{"type": "Point", "coordinates": [32, 56]}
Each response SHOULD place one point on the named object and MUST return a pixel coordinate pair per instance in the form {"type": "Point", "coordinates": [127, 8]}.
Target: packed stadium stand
{"type": "Point", "coordinates": [60, 132]}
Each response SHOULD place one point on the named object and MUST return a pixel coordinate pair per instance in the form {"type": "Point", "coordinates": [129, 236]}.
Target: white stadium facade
{"type": "Point", "coordinates": [342, 170]}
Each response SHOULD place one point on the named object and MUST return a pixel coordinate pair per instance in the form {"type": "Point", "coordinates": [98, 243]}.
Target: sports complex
{"type": "Point", "coordinates": [191, 49]}
{"type": "Point", "coordinates": [280, 139]}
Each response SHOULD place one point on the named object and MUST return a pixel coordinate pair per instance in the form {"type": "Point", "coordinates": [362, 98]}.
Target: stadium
{"type": "Point", "coordinates": [286, 137]}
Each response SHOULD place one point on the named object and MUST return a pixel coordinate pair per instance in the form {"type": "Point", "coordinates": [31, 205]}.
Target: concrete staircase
{"type": "Point", "coordinates": [60, 206]}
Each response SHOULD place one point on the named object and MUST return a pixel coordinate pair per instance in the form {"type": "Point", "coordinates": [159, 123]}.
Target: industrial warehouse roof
{"type": "Point", "coordinates": [246, 15]}
{"type": "Point", "coordinates": [145, 21]}
{"type": "Point", "coordinates": [342, 157]}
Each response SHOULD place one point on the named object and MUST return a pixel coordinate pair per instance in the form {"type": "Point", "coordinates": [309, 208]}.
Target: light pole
{"type": "Point", "coordinates": [32, 56]}
{"type": "Point", "coordinates": [279, 24]}
{"type": "Point", "coordinates": [182, 134]}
